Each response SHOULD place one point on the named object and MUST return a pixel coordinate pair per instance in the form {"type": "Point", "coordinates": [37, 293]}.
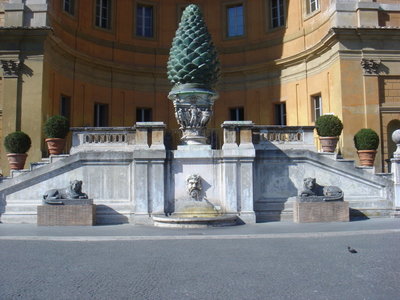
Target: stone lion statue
{"type": "Point", "coordinates": [326, 193]}
{"type": "Point", "coordinates": [73, 191]}
{"type": "Point", "coordinates": [193, 185]}
{"type": "Point", "coordinates": [309, 185]}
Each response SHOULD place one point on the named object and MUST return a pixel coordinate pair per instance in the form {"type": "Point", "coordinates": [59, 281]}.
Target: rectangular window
{"type": "Point", "coordinates": [65, 106]}
{"type": "Point", "coordinates": [100, 115]}
{"type": "Point", "coordinates": [236, 114]}
{"type": "Point", "coordinates": [317, 107]}
{"type": "Point", "coordinates": [144, 20]}
{"type": "Point", "coordinates": [69, 6]}
{"type": "Point", "coordinates": [235, 20]}
{"type": "Point", "coordinates": [103, 14]}
{"type": "Point", "coordinates": [277, 13]}
{"type": "Point", "coordinates": [312, 5]}
{"type": "Point", "coordinates": [143, 115]}
{"type": "Point", "coordinates": [280, 114]}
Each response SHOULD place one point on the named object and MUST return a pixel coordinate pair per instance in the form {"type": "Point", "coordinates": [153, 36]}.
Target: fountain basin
{"type": "Point", "coordinates": [181, 220]}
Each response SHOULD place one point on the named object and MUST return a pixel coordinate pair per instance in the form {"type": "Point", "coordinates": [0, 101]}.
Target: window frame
{"type": "Point", "coordinates": [308, 5]}
{"type": "Point", "coordinates": [96, 114]}
{"type": "Point", "coordinates": [69, 106]}
{"type": "Point", "coordinates": [282, 120]}
{"type": "Point", "coordinates": [317, 98]}
{"type": "Point", "coordinates": [143, 109]}
{"type": "Point", "coordinates": [153, 21]}
{"type": "Point", "coordinates": [110, 16]}
{"type": "Point", "coordinates": [239, 110]}
{"type": "Point", "coordinates": [226, 6]}
{"type": "Point", "coordinates": [71, 11]}
{"type": "Point", "coordinates": [282, 16]}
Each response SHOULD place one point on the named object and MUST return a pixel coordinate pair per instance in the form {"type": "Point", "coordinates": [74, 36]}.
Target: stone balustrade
{"type": "Point", "coordinates": [102, 139]}
{"type": "Point", "coordinates": [283, 137]}
{"type": "Point", "coordinates": [143, 135]}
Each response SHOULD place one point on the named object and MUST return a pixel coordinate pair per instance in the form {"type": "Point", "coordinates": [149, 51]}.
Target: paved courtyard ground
{"type": "Point", "coordinates": [263, 261]}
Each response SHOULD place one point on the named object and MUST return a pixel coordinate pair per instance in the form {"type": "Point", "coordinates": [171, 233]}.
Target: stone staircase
{"type": "Point", "coordinates": [19, 210]}
{"type": "Point", "coordinates": [281, 209]}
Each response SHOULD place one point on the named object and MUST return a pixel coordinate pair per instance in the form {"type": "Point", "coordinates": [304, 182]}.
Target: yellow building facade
{"type": "Point", "coordinates": [283, 62]}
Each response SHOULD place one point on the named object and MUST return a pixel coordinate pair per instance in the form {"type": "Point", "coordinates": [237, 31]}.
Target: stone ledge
{"type": "Point", "coordinates": [309, 212]}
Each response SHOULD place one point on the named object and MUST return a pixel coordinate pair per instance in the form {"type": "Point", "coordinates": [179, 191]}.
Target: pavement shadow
{"type": "Point", "coordinates": [357, 215]}
{"type": "Point", "coordinates": [106, 215]}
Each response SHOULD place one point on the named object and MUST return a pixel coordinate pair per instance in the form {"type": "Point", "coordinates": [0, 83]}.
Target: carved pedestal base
{"type": "Point", "coordinates": [66, 215]}
{"type": "Point", "coordinates": [308, 212]}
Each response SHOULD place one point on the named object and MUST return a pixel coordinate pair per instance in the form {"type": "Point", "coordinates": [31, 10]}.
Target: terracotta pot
{"type": "Point", "coordinates": [55, 145]}
{"type": "Point", "coordinates": [328, 143]}
{"type": "Point", "coordinates": [367, 157]}
{"type": "Point", "coordinates": [16, 161]}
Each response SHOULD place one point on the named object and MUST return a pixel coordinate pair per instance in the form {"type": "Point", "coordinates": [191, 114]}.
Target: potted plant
{"type": "Point", "coordinates": [17, 144]}
{"type": "Point", "coordinates": [329, 128]}
{"type": "Point", "coordinates": [56, 129]}
{"type": "Point", "coordinates": [366, 142]}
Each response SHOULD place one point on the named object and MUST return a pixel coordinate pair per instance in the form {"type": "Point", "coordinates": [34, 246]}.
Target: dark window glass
{"type": "Point", "coordinates": [143, 115]}
{"type": "Point", "coordinates": [103, 13]}
{"type": "Point", "coordinates": [280, 114]}
{"type": "Point", "coordinates": [235, 19]}
{"type": "Point", "coordinates": [69, 6]}
{"type": "Point", "coordinates": [100, 115]}
{"type": "Point", "coordinates": [65, 106]}
{"type": "Point", "coordinates": [144, 20]}
{"type": "Point", "coordinates": [277, 13]}
{"type": "Point", "coordinates": [236, 114]}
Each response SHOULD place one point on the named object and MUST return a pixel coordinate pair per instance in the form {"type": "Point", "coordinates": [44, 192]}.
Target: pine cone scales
{"type": "Point", "coordinates": [193, 58]}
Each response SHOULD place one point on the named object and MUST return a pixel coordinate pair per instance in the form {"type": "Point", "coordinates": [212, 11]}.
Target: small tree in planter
{"type": "Point", "coordinates": [56, 129]}
{"type": "Point", "coordinates": [329, 128]}
{"type": "Point", "coordinates": [17, 144]}
{"type": "Point", "coordinates": [366, 142]}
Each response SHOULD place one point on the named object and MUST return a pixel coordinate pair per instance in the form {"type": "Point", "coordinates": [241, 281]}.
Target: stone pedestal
{"type": "Point", "coordinates": [66, 215]}
{"type": "Point", "coordinates": [308, 212]}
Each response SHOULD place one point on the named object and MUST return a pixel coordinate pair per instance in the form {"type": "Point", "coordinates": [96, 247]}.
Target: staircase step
{"type": "Point", "coordinates": [39, 164]}
{"type": "Point", "coordinates": [54, 158]}
{"type": "Point", "coordinates": [15, 173]}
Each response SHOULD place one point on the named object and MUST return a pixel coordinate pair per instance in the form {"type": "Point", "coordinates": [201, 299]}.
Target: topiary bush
{"type": "Point", "coordinates": [329, 125]}
{"type": "Point", "coordinates": [56, 127]}
{"type": "Point", "coordinates": [366, 139]}
{"type": "Point", "coordinates": [17, 142]}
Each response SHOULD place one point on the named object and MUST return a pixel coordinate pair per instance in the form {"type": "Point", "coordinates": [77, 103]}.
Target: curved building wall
{"type": "Point", "coordinates": [91, 71]}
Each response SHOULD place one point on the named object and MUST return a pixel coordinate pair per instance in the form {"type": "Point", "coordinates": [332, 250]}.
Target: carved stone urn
{"type": "Point", "coordinates": [193, 69]}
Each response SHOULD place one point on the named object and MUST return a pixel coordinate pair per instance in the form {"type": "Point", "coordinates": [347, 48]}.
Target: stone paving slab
{"type": "Point", "coordinates": [260, 230]}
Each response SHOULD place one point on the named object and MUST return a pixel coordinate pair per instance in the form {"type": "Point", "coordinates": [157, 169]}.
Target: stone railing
{"type": "Point", "coordinates": [102, 139]}
{"type": "Point", "coordinates": [283, 137]}
{"type": "Point", "coordinates": [143, 135]}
